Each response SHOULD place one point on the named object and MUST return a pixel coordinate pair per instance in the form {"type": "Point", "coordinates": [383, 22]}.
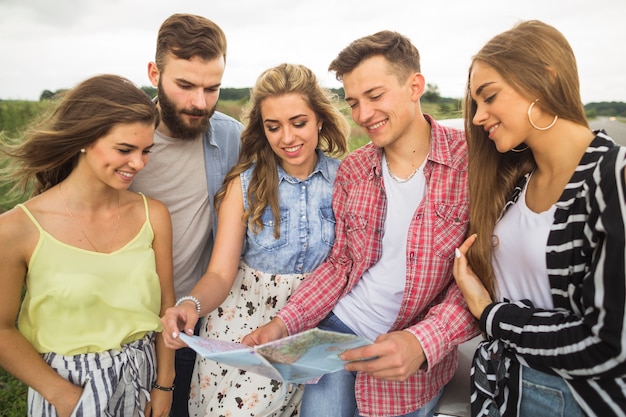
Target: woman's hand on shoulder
{"type": "Point", "coordinates": [476, 295]}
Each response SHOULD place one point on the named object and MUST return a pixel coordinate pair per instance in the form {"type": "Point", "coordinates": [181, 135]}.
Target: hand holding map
{"type": "Point", "coordinates": [301, 358]}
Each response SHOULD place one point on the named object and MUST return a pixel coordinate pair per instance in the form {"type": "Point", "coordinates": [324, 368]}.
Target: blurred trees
{"type": "Point", "coordinates": [431, 95]}
{"type": "Point", "coordinates": [15, 114]}
{"type": "Point", "coordinates": [606, 108]}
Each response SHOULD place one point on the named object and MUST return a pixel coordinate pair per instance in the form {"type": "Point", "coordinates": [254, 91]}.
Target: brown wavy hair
{"type": "Point", "coordinates": [255, 148]}
{"type": "Point", "coordinates": [51, 146]}
{"type": "Point", "coordinates": [537, 61]}
{"type": "Point", "coordinates": [186, 36]}
{"type": "Point", "coordinates": [396, 48]}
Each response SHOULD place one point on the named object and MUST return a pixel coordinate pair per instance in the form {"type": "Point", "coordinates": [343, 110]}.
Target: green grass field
{"type": "Point", "coordinates": [12, 396]}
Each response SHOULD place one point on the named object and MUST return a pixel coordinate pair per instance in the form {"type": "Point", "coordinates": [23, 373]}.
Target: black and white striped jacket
{"type": "Point", "coordinates": [583, 339]}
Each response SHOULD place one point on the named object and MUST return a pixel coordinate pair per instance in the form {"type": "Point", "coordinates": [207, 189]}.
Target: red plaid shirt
{"type": "Point", "coordinates": [432, 308]}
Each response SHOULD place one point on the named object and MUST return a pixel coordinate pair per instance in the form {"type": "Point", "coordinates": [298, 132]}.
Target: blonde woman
{"type": "Point", "coordinates": [276, 224]}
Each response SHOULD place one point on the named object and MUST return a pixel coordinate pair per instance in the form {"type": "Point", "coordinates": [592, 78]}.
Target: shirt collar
{"type": "Point", "coordinates": [320, 167]}
{"type": "Point", "coordinates": [596, 149]}
{"type": "Point", "coordinates": [441, 151]}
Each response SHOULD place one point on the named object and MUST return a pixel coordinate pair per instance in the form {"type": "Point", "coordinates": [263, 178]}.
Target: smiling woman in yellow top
{"type": "Point", "coordinates": [106, 299]}
{"type": "Point", "coordinates": [94, 257]}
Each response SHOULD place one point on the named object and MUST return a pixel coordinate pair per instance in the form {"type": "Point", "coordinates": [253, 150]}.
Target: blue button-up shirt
{"type": "Point", "coordinates": [307, 222]}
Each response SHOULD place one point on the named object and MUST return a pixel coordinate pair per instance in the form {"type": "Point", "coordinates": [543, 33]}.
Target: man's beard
{"type": "Point", "coordinates": [171, 117]}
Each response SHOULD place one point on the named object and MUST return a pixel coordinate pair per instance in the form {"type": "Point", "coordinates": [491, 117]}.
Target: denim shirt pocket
{"type": "Point", "coordinates": [327, 221]}
{"type": "Point", "coordinates": [265, 238]}
{"type": "Point", "coordinates": [451, 221]}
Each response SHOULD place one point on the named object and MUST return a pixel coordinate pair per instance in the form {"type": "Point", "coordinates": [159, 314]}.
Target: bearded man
{"type": "Point", "coordinates": [194, 148]}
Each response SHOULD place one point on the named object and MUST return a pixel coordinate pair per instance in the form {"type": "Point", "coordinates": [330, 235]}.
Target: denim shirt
{"type": "Point", "coordinates": [307, 222]}
{"type": "Point", "coordinates": [222, 141]}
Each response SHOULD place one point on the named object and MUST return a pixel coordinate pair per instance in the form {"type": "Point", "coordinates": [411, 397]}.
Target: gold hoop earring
{"type": "Point", "coordinates": [518, 150]}
{"type": "Point", "coordinates": [530, 119]}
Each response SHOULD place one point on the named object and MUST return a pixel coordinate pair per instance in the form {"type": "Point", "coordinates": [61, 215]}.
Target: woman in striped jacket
{"type": "Point", "coordinates": [544, 266]}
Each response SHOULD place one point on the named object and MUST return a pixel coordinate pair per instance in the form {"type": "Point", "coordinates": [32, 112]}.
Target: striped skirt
{"type": "Point", "coordinates": [115, 382]}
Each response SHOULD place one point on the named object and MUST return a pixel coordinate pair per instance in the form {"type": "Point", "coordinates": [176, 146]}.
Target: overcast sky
{"type": "Point", "coordinates": [54, 44]}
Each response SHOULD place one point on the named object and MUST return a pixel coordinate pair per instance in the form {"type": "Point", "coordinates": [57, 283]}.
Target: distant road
{"type": "Point", "coordinates": [615, 128]}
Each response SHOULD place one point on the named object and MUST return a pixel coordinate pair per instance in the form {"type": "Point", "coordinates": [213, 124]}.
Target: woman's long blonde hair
{"type": "Point", "coordinates": [537, 61]}
{"type": "Point", "coordinates": [255, 149]}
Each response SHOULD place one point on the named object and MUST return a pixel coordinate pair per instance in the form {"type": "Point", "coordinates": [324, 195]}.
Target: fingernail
{"type": "Point", "coordinates": [457, 253]}
{"type": "Point", "coordinates": [174, 335]}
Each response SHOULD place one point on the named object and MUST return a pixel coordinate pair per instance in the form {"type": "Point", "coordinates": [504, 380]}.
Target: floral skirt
{"type": "Point", "coordinates": [221, 390]}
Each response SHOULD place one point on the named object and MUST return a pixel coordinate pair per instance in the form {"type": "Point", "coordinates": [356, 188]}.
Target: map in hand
{"type": "Point", "coordinates": [300, 358]}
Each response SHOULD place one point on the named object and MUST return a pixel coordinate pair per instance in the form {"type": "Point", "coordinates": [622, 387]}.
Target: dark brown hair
{"type": "Point", "coordinates": [396, 48]}
{"type": "Point", "coordinates": [186, 36]}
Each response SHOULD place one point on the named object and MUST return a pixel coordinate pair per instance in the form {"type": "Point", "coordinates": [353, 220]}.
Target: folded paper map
{"type": "Point", "coordinates": [301, 358]}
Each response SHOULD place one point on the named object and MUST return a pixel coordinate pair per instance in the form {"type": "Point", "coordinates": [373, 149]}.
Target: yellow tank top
{"type": "Point", "coordinates": [78, 301]}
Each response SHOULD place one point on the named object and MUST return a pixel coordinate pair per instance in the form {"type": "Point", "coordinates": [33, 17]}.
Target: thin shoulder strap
{"type": "Point", "coordinates": [32, 218]}
{"type": "Point", "coordinates": [145, 205]}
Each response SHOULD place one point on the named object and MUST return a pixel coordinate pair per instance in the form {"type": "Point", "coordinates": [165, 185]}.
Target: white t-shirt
{"type": "Point", "coordinates": [519, 259]}
{"type": "Point", "coordinates": [372, 306]}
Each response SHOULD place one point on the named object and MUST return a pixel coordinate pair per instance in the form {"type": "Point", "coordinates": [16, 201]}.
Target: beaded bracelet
{"type": "Point", "coordinates": [190, 298]}
{"type": "Point", "coordinates": [157, 386]}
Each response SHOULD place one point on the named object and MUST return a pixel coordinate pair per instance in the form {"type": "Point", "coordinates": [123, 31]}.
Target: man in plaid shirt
{"type": "Point", "coordinates": [401, 205]}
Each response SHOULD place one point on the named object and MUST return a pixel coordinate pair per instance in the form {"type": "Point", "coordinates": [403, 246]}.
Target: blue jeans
{"type": "Point", "coordinates": [544, 395]}
{"type": "Point", "coordinates": [333, 395]}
